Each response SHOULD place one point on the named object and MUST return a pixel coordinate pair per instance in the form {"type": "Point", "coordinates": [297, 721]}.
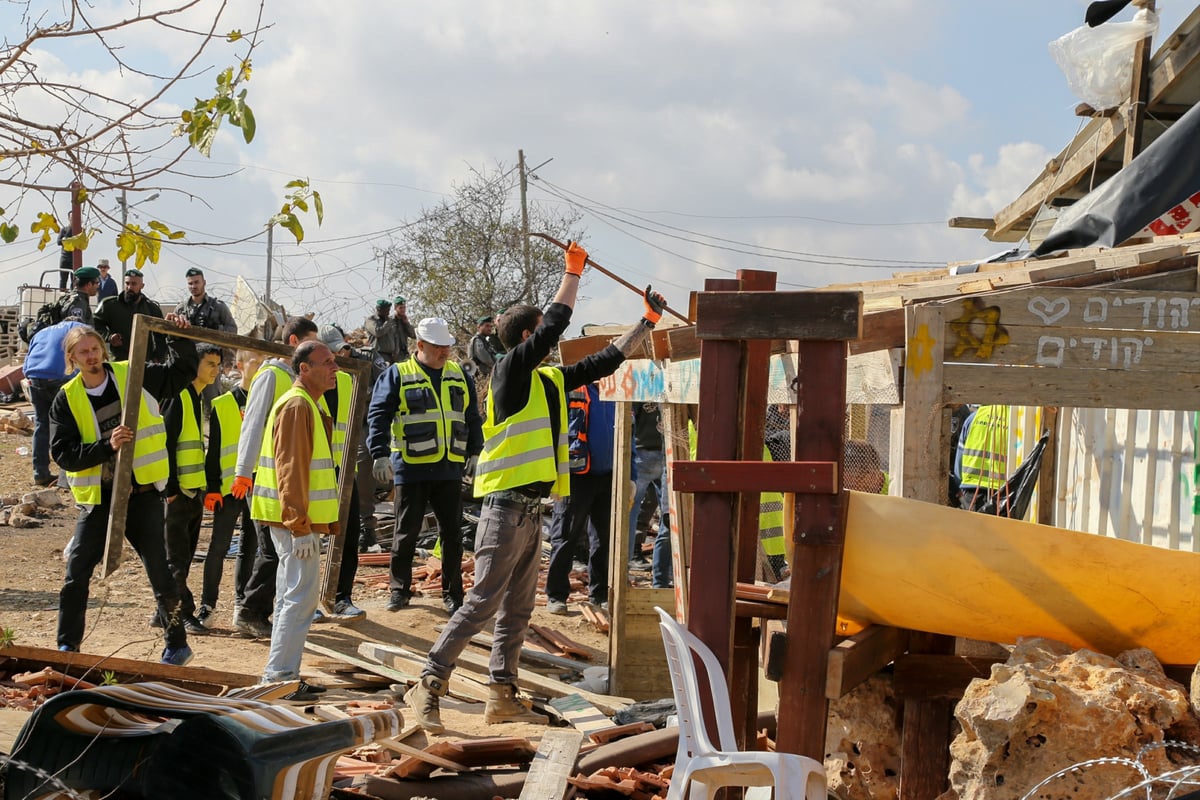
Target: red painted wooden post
{"type": "Point", "coordinates": [712, 561]}
{"type": "Point", "coordinates": [819, 538]}
{"type": "Point", "coordinates": [756, 374]}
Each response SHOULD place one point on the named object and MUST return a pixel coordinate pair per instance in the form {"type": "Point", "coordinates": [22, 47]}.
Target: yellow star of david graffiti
{"type": "Point", "coordinates": [965, 329]}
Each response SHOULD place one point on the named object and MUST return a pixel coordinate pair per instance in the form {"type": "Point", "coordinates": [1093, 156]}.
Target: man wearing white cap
{"type": "Point", "coordinates": [423, 410]}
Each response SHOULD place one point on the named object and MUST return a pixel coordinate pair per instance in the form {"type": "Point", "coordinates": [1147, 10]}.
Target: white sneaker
{"type": "Point", "coordinates": [556, 607]}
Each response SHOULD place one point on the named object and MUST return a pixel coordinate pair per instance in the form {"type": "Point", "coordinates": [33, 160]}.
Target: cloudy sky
{"type": "Point", "coordinates": [828, 141]}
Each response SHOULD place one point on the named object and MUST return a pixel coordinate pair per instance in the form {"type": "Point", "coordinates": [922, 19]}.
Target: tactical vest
{"type": "Point", "coordinates": [322, 480]}
{"type": "Point", "coordinates": [150, 464]}
{"type": "Point", "coordinates": [579, 410]}
{"type": "Point", "coordinates": [522, 450]}
{"type": "Point", "coordinates": [427, 428]}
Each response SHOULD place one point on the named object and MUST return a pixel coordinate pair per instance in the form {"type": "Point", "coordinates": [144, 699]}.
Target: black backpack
{"type": "Point", "coordinates": [47, 315]}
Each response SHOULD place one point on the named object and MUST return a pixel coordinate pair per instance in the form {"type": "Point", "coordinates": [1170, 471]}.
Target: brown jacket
{"type": "Point", "coordinates": [293, 442]}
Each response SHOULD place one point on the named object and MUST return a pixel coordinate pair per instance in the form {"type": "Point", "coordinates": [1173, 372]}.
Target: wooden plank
{"type": "Point", "coordinates": [1098, 308]}
{"type": "Point", "coordinates": [713, 551]}
{"type": "Point", "coordinates": [938, 677]}
{"type": "Point", "coordinates": [925, 739]}
{"type": "Point", "coordinates": [552, 765]}
{"type": "Point", "coordinates": [331, 562]}
{"type": "Point", "coordinates": [572, 351]}
{"type": "Point", "coordinates": [756, 477]}
{"type": "Point", "coordinates": [925, 736]}
{"type": "Point", "coordinates": [881, 330]}
{"type": "Point", "coordinates": [631, 652]}
{"type": "Point", "coordinates": [1079, 388]}
{"type": "Point", "coordinates": [1084, 349]}
{"type": "Point", "coordinates": [529, 680]}
{"type": "Point", "coordinates": [743, 678]}
{"type": "Point", "coordinates": [582, 715]}
{"type": "Point", "coordinates": [860, 656]}
{"type": "Point", "coordinates": [459, 687]}
{"type": "Point", "coordinates": [816, 315]}
{"type": "Point", "coordinates": [819, 538]}
{"type": "Point", "coordinates": [90, 667]}
{"type": "Point", "coordinates": [681, 506]}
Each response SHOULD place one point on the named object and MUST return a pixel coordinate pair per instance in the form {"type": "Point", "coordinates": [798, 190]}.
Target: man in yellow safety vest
{"type": "Point", "coordinates": [525, 459]}
{"type": "Point", "coordinates": [185, 483]}
{"type": "Point", "coordinates": [296, 497]}
{"type": "Point", "coordinates": [85, 435]}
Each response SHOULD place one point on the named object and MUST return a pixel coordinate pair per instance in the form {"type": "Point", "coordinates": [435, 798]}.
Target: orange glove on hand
{"type": "Point", "coordinates": [655, 303]}
{"type": "Point", "coordinates": [213, 502]}
{"type": "Point", "coordinates": [241, 487]}
{"type": "Point", "coordinates": [576, 260]}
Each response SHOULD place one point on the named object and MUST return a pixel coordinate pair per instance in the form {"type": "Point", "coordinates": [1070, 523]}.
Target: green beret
{"type": "Point", "coordinates": [87, 274]}
{"type": "Point", "coordinates": [382, 303]}
{"type": "Point", "coordinates": [399, 301]}
{"type": "Point", "coordinates": [482, 320]}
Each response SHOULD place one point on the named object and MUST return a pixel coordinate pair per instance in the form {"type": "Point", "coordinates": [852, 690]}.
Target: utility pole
{"type": "Point", "coordinates": [270, 232]}
{"type": "Point", "coordinates": [525, 229]}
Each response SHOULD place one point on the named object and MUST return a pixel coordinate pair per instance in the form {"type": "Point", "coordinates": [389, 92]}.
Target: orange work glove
{"type": "Point", "coordinates": [241, 487]}
{"type": "Point", "coordinates": [213, 502]}
{"type": "Point", "coordinates": [576, 259]}
{"type": "Point", "coordinates": [655, 304]}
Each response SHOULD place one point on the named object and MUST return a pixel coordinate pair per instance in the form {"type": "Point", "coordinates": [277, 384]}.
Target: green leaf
{"type": "Point", "coordinates": [296, 184]}
{"type": "Point", "coordinates": [158, 226]}
{"type": "Point", "coordinates": [233, 35]}
{"type": "Point", "coordinates": [300, 204]}
{"type": "Point", "coordinates": [316, 196]}
{"type": "Point", "coordinates": [173, 235]}
{"type": "Point", "coordinates": [248, 124]}
{"type": "Point", "coordinates": [8, 232]}
{"type": "Point", "coordinates": [292, 224]}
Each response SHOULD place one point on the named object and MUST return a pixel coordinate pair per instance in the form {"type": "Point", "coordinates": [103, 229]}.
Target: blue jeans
{"type": "Point", "coordinates": [297, 589]}
{"type": "Point", "coordinates": [649, 465]}
{"type": "Point", "coordinates": [41, 395]}
{"type": "Point", "coordinates": [662, 571]}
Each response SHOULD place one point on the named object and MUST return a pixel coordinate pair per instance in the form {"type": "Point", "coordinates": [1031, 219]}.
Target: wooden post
{"type": "Point", "coordinates": [331, 565]}
{"type": "Point", "coordinates": [680, 506]}
{"type": "Point", "coordinates": [1139, 92]}
{"type": "Point", "coordinates": [925, 740]}
{"type": "Point", "coordinates": [1048, 476]}
{"type": "Point", "coordinates": [819, 539]}
{"type": "Point", "coordinates": [143, 326]}
{"type": "Point", "coordinates": [756, 368]}
{"type": "Point", "coordinates": [714, 554]}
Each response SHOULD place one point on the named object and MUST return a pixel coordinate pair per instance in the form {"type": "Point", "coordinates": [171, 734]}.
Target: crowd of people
{"type": "Point", "coordinates": [262, 455]}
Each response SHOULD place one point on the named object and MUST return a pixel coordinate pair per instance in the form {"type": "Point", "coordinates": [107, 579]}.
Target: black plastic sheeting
{"type": "Point", "coordinates": [1163, 175]}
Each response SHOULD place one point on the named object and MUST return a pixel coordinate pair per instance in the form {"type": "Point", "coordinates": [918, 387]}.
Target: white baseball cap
{"type": "Point", "coordinates": [435, 330]}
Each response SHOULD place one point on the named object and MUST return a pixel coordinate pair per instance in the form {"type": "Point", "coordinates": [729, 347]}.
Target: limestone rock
{"type": "Point", "coordinates": [16, 519]}
{"type": "Point", "coordinates": [1196, 689]}
{"type": "Point", "coordinates": [1050, 707]}
{"type": "Point", "coordinates": [862, 743]}
{"type": "Point", "coordinates": [44, 498]}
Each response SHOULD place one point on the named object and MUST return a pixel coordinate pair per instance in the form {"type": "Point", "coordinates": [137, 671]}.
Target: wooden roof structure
{"type": "Point", "coordinates": [1169, 84]}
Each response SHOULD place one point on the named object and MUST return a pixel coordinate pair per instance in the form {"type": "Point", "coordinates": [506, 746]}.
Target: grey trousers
{"type": "Point", "coordinates": [508, 555]}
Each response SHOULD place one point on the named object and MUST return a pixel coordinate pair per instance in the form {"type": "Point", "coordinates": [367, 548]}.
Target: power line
{"type": "Point", "coordinates": [789, 255]}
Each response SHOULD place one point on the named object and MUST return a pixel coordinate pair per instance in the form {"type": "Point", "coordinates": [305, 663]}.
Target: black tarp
{"type": "Point", "coordinates": [1162, 176]}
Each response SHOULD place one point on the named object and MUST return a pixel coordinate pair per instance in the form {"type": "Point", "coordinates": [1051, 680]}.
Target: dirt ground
{"type": "Point", "coordinates": [120, 607]}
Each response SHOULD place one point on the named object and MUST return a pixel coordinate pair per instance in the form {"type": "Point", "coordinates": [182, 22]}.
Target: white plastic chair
{"type": "Point", "coordinates": [701, 766]}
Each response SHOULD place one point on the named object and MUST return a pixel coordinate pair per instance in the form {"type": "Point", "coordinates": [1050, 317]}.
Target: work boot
{"type": "Point", "coordinates": [505, 705]}
{"type": "Point", "coordinates": [422, 698]}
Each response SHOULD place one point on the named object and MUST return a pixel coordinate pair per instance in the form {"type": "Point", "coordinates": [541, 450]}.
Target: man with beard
{"type": "Point", "coordinates": [114, 318]}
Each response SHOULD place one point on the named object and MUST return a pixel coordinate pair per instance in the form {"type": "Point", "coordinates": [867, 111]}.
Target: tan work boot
{"type": "Point", "coordinates": [504, 705]}
{"type": "Point", "coordinates": [422, 698]}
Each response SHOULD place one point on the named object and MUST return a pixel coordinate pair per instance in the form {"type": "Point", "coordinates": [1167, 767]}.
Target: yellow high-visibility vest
{"type": "Point", "coordinates": [229, 418]}
{"type": "Point", "coordinates": [322, 480]}
{"type": "Point", "coordinates": [522, 449]}
{"type": "Point", "coordinates": [341, 420]}
{"type": "Point", "coordinates": [985, 451]}
{"type": "Point", "coordinates": [428, 428]}
{"type": "Point", "coordinates": [189, 449]}
{"type": "Point", "coordinates": [149, 440]}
